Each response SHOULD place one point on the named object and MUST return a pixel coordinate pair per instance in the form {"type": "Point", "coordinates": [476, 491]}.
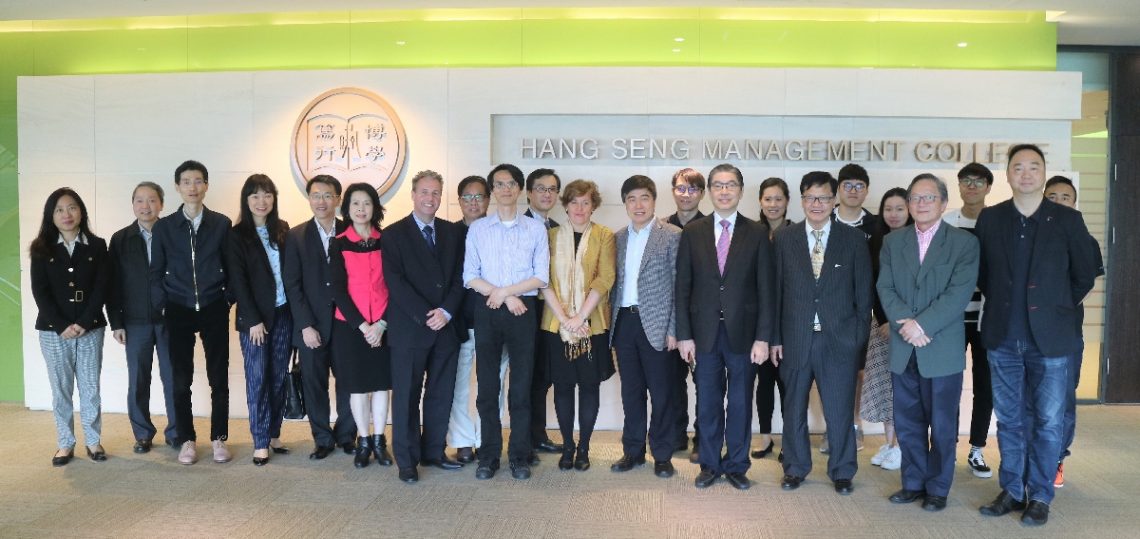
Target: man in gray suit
{"type": "Point", "coordinates": [823, 319]}
{"type": "Point", "coordinates": [927, 275]}
{"type": "Point", "coordinates": [644, 327]}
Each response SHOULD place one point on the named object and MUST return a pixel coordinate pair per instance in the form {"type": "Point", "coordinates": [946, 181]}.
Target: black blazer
{"type": "Point", "coordinates": [744, 294]}
{"type": "Point", "coordinates": [128, 300]}
{"type": "Point", "coordinates": [419, 281]}
{"type": "Point", "coordinates": [842, 295]}
{"type": "Point", "coordinates": [251, 279]}
{"type": "Point", "coordinates": [70, 289]}
{"type": "Point", "coordinates": [1061, 272]}
{"type": "Point", "coordinates": [305, 273]}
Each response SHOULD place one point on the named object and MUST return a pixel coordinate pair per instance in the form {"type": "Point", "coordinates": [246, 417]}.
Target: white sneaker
{"type": "Point", "coordinates": [858, 438]}
{"type": "Point", "coordinates": [189, 453]}
{"type": "Point", "coordinates": [977, 463]}
{"type": "Point", "coordinates": [893, 459]}
{"type": "Point", "coordinates": [221, 454]}
{"type": "Point", "coordinates": [877, 460]}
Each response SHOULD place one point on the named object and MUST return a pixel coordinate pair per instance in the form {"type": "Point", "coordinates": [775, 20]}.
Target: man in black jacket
{"type": "Point", "coordinates": [135, 322]}
{"type": "Point", "coordinates": [188, 285]}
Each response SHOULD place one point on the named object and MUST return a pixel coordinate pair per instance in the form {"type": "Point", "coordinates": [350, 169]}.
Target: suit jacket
{"type": "Point", "coordinates": [655, 281]}
{"type": "Point", "coordinates": [419, 281]}
{"type": "Point", "coordinates": [305, 274]}
{"type": "Point", "coordinates": [70, 289]}
{"type": "Point", "coordinates": [841, 295]}
{"type": "Point", "coordinates": [1062, 269]}
{"type": "Point", "coordinates": [597, 267]}
{"type": "Point", "coordinates": [127, 301]}
{"type": "Point", "coordinates": [251, 279]}
{"type": "Point", "coordinates": [743, 294]}
{"type": "Point", "coordinates": [548, 222]}
{"type": "Point", "coordinates": [933, 293]}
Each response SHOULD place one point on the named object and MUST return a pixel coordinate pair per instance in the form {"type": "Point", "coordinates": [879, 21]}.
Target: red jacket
{"type": "Point", "coordinates": [357, 268]}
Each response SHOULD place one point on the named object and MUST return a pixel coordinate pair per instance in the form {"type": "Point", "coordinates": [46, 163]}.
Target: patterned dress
{"type": "Point", "coordinates": [877, 402]}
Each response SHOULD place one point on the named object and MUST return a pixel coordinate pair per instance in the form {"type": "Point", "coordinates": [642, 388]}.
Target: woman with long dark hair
{"type": "Point", "coordinates": [264, 321]}
{"type": "Point", "coordinates": [359, 349]}
{"type": "Point", "coordinates": [69, 278]}
{"type": "Point", "coordinates": [773, 215]}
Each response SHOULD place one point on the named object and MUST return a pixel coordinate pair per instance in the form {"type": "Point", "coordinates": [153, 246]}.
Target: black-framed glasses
{"type": "Point", "coordinates": [687, 189]}
{"type": "Point", "coordinates": [976, 183]}
{"type": "Point", "coordinates": [857, 187]}
{"type": "Point", "coordinates": [472, 198]}
{"type": "Point", "coordinates": [928, 198]}
{"type": "Point", "coordinates": [826, 200]}
{"type": "Point", "coordinates": [546, 190]}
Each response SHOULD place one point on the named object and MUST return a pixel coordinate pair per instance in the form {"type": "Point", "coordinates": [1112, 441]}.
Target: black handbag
{"type": "Point", "coordinates": [294, 394]}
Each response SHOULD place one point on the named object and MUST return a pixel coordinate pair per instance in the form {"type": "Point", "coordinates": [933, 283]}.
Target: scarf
{"type": "Point", "coordinates": [572, 283]}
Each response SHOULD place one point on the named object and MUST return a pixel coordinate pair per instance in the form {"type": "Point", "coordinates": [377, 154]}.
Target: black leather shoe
{"type": "Point", "coordinates": [1036, 514]}
{"type": "Point", "coordinates": [738, 480]}
{"type": "Point", "coordinates": [567, 461]}
{"type": "Point", "coordinates": [548, 446]}
{"type": "Point", "coordinates": [695, 457]}
{"type": "Point", "coordinates": [98, 455]}
{"type": "Point", "coordinates": [844, 486]}
{"type": "Point", "coordinates": [705, 479]}
{"type": "Point", "coordinates": [791, 482]}
{"type": "Point", "coordinates": [934, 503]}
{"type": "Point", "coordinates": [142, 446]}
{"type": "Point", "coordinates": [627, 463]}
{"type": "Point", "coordinates": [465, 455]}
{"type": "Point", "coordinates": [282, 450]}
{"type": "Point", "coordinates": [62, 460]}
{"type": "Point", "coordinates": [363, 452]}
{"type": "Point", "coordinates": [663, 469]}
{"type": "Point", "coordinates": [409, 475]}
{"type": "Point", "coordinates": [443, 463]}
{"type": "Point", "coordinates": [780, 458]}
{"type": "Point", "coordinates": [582, 461]}
{"type": "Point", "coordinates": [260, 461]}
{"type": "Point", "coordinates": [532, 459]}
{"type": "Point", "coordinates": [1002, 505]}
{"type": "Point", "coordinates": [320, 452]}
{"type": "Point", "coordinates": [348, 447]}
{"type": "Point", "coordinates": [907, 496]}
{"type": "Point", "coordinates": [487, 470]}
{"type": "Point", "coordinates": [761, 453]}
{"type": "Point", "coordinates": [380, 449]}
{"type": "Point", "coordinates": [520, 471]}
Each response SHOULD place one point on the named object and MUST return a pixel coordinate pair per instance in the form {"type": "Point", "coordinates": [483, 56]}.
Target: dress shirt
{"type": "Point", "coordinates": [924, 239]}
{"type": "Point", "coordinates": [634, 251]}
{"type": "Point", "coordinates": [1024, 233]}
{"type": "Point", "coordinates": [197, 220]}
{"type": "Point", "coordinates": [435, 236]}
{"type": "Point", "coordinates": [717, 227]}
{"type": "Point", "coordinates": [326, 236]}
{"type": "Point", "coordinates": [146, 235]}
{"type": "Point", "coordinates": [274, 255]}
{"type": "Point", "coordinates": [507, 253]}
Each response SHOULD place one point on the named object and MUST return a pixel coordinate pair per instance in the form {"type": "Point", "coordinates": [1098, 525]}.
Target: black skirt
{"type": "Point", "coordinates": [587, 369]}
{"type": "Point", "coordinates": [360, 367]}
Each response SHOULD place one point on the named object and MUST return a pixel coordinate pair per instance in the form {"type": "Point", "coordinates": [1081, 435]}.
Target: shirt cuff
{"type": "Point", "coordinates": [446, 314]}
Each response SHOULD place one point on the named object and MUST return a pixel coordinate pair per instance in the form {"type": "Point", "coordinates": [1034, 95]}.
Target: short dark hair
{"type": "Point", "coordinates": [637, 181]}
{"type": "Point", "coordinates": [470, 180]}
{"type": "Point", "coordinates": [377, 207]}
{"type": "Point", "coordinates": [816, 178]}
{"type": "Point", "coordinates": [1013, 150]}
{"type": "Point", "coordinates": [1063, 180]}
{"type": "Point", "coordinates": [928, 177]}
{"type": "Point", "coordinates": [514, 171]}
{"type": "Point", "coordinates": [157, 189]}
{"type": "Point", "coordinates": [540, 172]}
{"type": "Point", "coordinates": [774, 182]}
{"type": "Point", "coordinates": [691, 177]}
{"type": "Point", "coordinates": [976, 170]}
{"type": "Point", "coordinates": [191, 165]}
{"type": "Point", "coordinates": [852, 171]}
{"type": "Point", "coordinates": [727, 167]}
{"type": "Point", "coordinates": [325, 179]}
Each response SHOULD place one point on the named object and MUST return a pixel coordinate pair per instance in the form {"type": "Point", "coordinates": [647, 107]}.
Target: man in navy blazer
{"type": "Point", "coordinates": [423, 267]}
{"type": "Point", "coordinates": [1036, 268]}
{"type": "Point", "coordinates": [927, 274]}
{"type": "Point", "coordinates": [823, 320]}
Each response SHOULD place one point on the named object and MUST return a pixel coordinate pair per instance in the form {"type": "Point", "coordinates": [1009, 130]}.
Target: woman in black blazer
{"type": "Point", "coordinates": [264, 321]}
{"type": "Point", "coordinates": [69, 277]}
{"type": "Point", "coordinates": [773, 215]}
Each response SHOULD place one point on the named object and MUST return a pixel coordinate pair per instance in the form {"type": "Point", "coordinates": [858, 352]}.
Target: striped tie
{"type": "Point", "coordinates": [722, 245]}
{"type": "Point", "coordinates": [817, 253]}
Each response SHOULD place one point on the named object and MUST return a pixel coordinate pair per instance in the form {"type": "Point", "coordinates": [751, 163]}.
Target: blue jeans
{"type": "Point", "coordinates": [1029, 399]}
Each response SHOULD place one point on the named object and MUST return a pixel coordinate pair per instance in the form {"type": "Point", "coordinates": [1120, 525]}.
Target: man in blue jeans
{"type": "Point", "coordinates": [1035, 269]}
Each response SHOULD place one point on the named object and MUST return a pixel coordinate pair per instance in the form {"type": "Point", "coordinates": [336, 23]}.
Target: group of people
{"type": "Point", "coordinates": [875, 310]}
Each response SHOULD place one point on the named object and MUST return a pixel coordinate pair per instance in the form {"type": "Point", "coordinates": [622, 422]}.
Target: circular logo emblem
{"type": "Point", "coordinates": [351, 134]}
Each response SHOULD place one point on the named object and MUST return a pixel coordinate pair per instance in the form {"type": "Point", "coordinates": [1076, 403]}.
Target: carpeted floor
{"type": "Point", "coordinates": [152, 495]}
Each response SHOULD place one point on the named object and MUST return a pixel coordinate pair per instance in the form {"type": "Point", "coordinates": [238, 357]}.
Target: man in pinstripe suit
{"type": "Point", "coordinates": [644, 327]}
{"type": "Point", "coordinates": [822, 339]}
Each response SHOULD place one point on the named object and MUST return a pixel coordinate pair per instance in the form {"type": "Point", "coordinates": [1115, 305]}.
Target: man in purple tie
{"type": "Point", "coordinates": [724, 302]}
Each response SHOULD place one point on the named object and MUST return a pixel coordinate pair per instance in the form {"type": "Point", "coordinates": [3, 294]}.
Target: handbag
{"type": "Point", "coordinates": [294, 395]}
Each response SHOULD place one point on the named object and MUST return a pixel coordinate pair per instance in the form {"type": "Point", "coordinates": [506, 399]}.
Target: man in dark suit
{"type": "Point", "coordinates": [724, 323]}
{"type": "Point", "coordinates": [927, 274]}
{"type": "Point", "coordinates": [423, 266]}
{"type": "Point", "coordinates": [823, 318]}
{"type": "Point", "coordinates": [1036, 267]}
{"type": "Point", "coordinates": [305, 274]}
{"type": "Point", "coordinates": [688, 190]}
{"type": "Point", "coordinates": [542, 187]}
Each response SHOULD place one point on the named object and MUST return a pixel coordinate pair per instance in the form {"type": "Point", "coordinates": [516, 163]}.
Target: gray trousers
{"type": "Point", "coordinates": [71, 362]}
{"type": "Point", "coordinates": [143, 340]}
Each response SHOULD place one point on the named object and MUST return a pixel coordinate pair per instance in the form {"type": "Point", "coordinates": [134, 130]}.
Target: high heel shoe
{"type": "Point", "coordinates": [582, 460]}
{"type": "Point", "coordinates": [260, 461]}
{"type": "Point", "coordinates": [380, 449]}
{"type": "Point", "coordinates": [279, 449]}
{"type": "Point", "coordinates": [98, 455]}
{"type": "Point", "coordinates": [761, 453]}
{"type": "Point", "coordinates": [567, 460]}
{"type": "Point", "coordinates": [363, 452]}
{"type": "Point", "coordinates": [62, 460]}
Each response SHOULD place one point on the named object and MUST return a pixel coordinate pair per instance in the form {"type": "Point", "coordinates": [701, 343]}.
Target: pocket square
{"type": "Point", "coordinates": [838, 265]}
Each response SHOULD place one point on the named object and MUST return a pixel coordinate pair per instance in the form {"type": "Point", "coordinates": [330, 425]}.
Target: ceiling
{"type": "Point", "coordinates": [1083, 22]}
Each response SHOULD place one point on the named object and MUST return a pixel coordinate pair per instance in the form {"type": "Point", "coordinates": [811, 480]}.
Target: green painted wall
{"type": "Point", "coordinates": [482, 38]}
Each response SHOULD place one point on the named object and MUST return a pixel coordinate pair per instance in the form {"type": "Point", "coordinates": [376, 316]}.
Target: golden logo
{"type": "Point", "coordinates": [351, 134]}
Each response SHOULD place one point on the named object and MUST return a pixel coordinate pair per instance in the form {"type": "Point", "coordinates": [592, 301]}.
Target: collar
{"type": "Point", "coordinates": [645, 229]}
{"type": "Point", "coordinates": [352, 236]}
{"type": "Point", "coordinates": [81, 238]}
{"type": "Point", "coordinates": [826, 230]}
{"type": "Point", "coordinates": [420, 224]}
{"type": "Point", "coordinates": [930, 232]}
{"type": "Point", "coordinates": [856, 223]}
{"type": "Point", "coordinates": [731, 219]}
{"type": "Point", "coordinates": [142, 230]}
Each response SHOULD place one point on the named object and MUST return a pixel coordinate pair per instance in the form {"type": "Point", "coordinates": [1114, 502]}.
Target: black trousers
{"type": "Point", "coordinates": [409, 367]}
{"type": "Point", "coordinates": [983, 387]}
{"type": "Point", "coordinates": [211, 323]}
{"type": "Point", "coordinates": [767, 381]}
{"type": "Point", "coordinates": [723, 375]}
{"type": "Point", "coordinates": [680, 384]}
{"type": "Point", "coordinates": [835, 377]}
{"type": "Point", "coordinates": [494, 330]}
{"type": "Point", "coordinates": [540, 384]}
{"type": "Point", "coordinates": [316, 364]}
{"type": "Point", "coordinates": [645, 372]}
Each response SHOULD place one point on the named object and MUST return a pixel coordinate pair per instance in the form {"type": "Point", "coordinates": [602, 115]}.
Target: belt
{"type": "Point", "coordinates": [816, 327]}
{"type": "Point", "coordinates": [631, 309]}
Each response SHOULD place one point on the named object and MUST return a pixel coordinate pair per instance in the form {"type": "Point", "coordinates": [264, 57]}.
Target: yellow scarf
{"type": "Point", "coordinates": [571, 283]}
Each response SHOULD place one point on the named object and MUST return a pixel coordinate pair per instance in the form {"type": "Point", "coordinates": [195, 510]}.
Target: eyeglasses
{"type": "Point", "coordinates": [915, 199]}
{"type": "Point", "coordinates": [857, 187]}
{"type": "Point", "coordinates": [546, 190]}
{"type": "Point", "coordinates": [976, 183]}
{"type": "Point", "coordinates": [472, 198]}
{"type": "Point", "coordinates": [826, 200]}
{"type": "Point", "coordinates": [317, 197]}
{"type": "Point", "coordinates": [730, 186]}
{"type": "Point", "coordinates": [687, 189]}
{"type": "Point", "coordinates": [505, 186]}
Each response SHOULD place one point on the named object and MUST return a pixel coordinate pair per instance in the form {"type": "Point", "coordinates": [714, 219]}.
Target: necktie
{"type": "Point", "coordinates": [817, 253]}
{"type": "Point", "coordinates": [430, 237]}
{"type": "Point", "coordinates": [722, 245]}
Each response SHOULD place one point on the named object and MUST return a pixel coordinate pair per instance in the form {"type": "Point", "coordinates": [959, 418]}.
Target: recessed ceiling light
{"type": "Point", "coordinates": [401, 43]}
{"type": "Point", "coordinates": [963, 44]}
{"type": "Point", "coordinates": [679, 39]}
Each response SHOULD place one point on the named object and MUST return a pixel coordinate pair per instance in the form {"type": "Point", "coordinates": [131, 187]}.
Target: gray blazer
{"type": "Point", "coordinates": [933, 293]}
{"type": "Point", "coordinates": [654, 282]}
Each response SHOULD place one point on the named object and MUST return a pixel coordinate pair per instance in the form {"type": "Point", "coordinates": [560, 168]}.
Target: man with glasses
{"type": "Point", "coordinates": [507, 260]}
{"type": "Point", "coordinates": [724, 323]}
{"type": "Point", "coordinates": [854, 184]}
{"type": "Point", "coordinates": [823, 320]}
{"type": "Point", "coordinates": [974, 183]}
{"type": "Point", "coordinates": [688, 189]}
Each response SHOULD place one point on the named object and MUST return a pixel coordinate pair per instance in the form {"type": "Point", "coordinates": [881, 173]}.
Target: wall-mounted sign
{"type": "Point", "coordinates": [351, 134]}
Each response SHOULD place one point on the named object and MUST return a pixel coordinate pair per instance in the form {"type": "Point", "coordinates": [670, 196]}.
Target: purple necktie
{"type": "Point", "coordinates": [722, 245]}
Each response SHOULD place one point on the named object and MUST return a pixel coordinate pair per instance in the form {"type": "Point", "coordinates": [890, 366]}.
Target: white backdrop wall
{"type": "Point", "coordinates": [101, 135]}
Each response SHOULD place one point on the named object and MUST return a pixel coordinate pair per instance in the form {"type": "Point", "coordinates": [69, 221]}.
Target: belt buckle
{"type": "Point", "coordinates": [78, 297]}
{"type": "Point", "coordinates": [633, 309]}
{"type": "Point", "coordinates": [816, 327]}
